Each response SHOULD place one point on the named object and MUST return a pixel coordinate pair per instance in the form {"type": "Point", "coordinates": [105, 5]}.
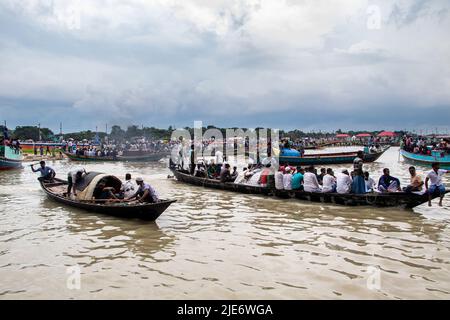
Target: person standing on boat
{"type": "Point", "coordinates": [47, 173]}
{"type": "Point", "coordinates": [358, 184]}
{"type": "Point", "coordinates": [74, 178]}
{"type": "Point", "coordinates": [145, 192]}
{"type": "Point", "coordinates": [435, 177]}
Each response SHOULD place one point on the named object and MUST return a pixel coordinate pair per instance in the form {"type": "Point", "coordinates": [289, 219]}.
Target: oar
{"type": "Point", "coordinates": [34, 164]}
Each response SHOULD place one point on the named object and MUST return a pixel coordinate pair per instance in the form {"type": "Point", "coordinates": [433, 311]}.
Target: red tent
{"type": "Point", "coordinates": [363, 135]}
{"type": "Point", "coordinates": [342, 135]}
{"type": "Point", "coordinates": [387, 134]}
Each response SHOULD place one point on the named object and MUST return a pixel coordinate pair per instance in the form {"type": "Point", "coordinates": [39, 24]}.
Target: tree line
{"type": "Point", "coordinates": [119, 134]}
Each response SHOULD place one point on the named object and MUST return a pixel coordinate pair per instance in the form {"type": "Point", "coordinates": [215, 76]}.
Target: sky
{"type": "Point", "coordinates": [288, 64]}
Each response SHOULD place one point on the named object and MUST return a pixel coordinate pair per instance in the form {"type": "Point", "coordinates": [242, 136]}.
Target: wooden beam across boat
{"type": "Point", "coordinates": [392, 199]}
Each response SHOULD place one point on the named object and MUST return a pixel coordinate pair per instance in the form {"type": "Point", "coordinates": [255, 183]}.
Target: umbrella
{"type": "Point", "coordinates": [387, 134]}
{"type": "Point", "coordinates": [342, 135]}
{"type": "Point", "coordinates": [363, 135]}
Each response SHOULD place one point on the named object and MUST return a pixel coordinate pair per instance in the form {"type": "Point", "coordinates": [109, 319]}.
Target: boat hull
{"type": "Point", "coordinates": [329, 159]}
{"type": "Point", "coordinates": [9, 164]}
{"type": "Point", "coordinates": [426, 160]}
{"type": "Point", "coordinates": [144, 211]}
{"type": "Point", "coordinates": [397, 199]}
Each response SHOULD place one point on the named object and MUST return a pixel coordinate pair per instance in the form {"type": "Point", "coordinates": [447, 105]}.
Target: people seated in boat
{"type": "Point", "coordinates": [128, 187]}
{"type": "Point", "coordinates": [416, 182]}
{"type": "Point", "coordinates": [387, 183]}
{"type": "Point", "coordinates": [200, 170]}
{"type": "Point", "coordinates": [212, 170]}
{"type": "Point", "coordinates": [297, 179]}
{"type": "Point", "coordinates": [234, 173]}
{"type": "Point", "coordinates": [287, 178]}
{"type": "Point", "coordinates": [310, 182]}
{"type": "Point", "coordinates": [322, 174]}
{"type": "Point", "coordinates": [343, 182]}
{"type": "Point", "coordinates": [47, 173]}
{"type": "Point", "coordinates": [265, 174]}
{"type": "Point", "coordinates": [145, 192]}
{"type": "Point", "coordinates": [370, 183]}
{"type": "Point", "coordinates": [358, 183]}
{"type": "Point", "coordinates": [225, 174]}
{"type": "Point", "coordinates": [279, 180]}
{"type": "Point", "coordinates": [329, 181]}
{"type": "Point", "coordinates": [74, 178]}
{"type": "Point", "coordinates": [434, 184]}
{"type": "Point", "coordinates": [103, 194]}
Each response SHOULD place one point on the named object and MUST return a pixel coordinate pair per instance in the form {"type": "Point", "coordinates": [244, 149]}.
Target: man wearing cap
{"type": "Point", "coordinates": [145, 192]}
{"type": "Point", "coordinates": [47, 173]}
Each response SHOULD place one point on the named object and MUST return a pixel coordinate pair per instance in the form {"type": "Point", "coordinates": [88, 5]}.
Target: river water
{"type": "Point", "coordinates": [217, 244]}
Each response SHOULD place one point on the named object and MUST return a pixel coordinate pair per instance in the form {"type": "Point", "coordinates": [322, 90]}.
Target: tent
{"type": "Point", "coordinates": [387, 134]}
{"type": "Point", "coordinates": [342, 135]}
{"type": "Point", "coordinates": [363, 135]}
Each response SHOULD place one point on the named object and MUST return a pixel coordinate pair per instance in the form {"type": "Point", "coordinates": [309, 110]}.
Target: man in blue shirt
{"type": "Point", "coordinates": [47, 173]}
{"type": "Point", "coordinates": [297, 179]}
{"type": "Point", "coordinates": [388, 183]}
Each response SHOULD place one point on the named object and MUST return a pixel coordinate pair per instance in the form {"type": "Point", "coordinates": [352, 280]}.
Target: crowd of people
{"type": "Point", "coordinates": [324, 180]}
{"type": "Point", "coordinates": [113, 148]}
{"type": "Point", "coordinates": [423, 146]}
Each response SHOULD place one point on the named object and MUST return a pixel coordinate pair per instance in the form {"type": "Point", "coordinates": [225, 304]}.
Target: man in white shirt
{"type": "Point", "coordinates": [370, 183]}
{"type": "Point", "coordinates": [329, 181]}
{"type": "Point", "coordinates": [435, 177]}
{"type": "Point", "coordinates": [74, 177]}
{"type": "Point", "coordinates": [343, 182]}
{"type": "Point", "coordinates": [287, 179]}
{"type": "Point", "coordinates": [128, 188]}
{"type": "Point", "coordinates": [279, 180]}
{"type": "Point", "coordinates": [310, 182]}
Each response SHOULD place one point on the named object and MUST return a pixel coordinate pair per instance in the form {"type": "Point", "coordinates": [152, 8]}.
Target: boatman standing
{"type": "Point", "coordinates": [47, 173]}
{"type": "Point", "coordinates": [435, 177]}
{"type": "Point", "coordinates": [74, 177]}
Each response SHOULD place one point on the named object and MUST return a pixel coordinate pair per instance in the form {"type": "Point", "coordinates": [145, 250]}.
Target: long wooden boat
{"type": "Point", "coordinates": [426, 160]}
{"type": "Point", "coordinates": [329, 158]}
{"type": "Point", "coordinates": [395, 199]}
{"type": "Point", "coordinates": [10, 158]}
{"type": "Point", "coordinates": [149, 156]}
{"type": "Point", "coordinates": [145, 211]}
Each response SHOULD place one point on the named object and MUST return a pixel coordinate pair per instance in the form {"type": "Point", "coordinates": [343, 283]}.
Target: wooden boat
{"type": "Point", "coordinates": [127, 156]}
{"type": "Point", "coordinates": [146, 211]}
{"type": "Point", "coordinates": [10, 158]}
{"type": "Point", "coordinates": [329, 158]}
{"type": "Point", "coordinates": [395, 199]}
{"type": "Point", "coordinates": [426, 160]}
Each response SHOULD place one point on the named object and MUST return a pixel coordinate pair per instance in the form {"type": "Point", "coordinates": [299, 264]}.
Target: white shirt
{"type": "Point", "coordinates": [279, 180]}
{"type": "Point", "coordinates": [128, 188]}
{"type": "Point", "coordinates": [287, 181]}
{"type": "Point", "coordinates": [219, 157]}
{"type": "Point", "coordinates": [436, 178]}
{"type": "Point", "coordinates": [344, 183]}
{"type": "Point", "coordinates": [328, 182]}
{"type": "Point", "coordinates": [370, 184]}
{"type": "Point", "coordinates": [74, 172]}
{"type": "Point", "coordinates": [310, 183]}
